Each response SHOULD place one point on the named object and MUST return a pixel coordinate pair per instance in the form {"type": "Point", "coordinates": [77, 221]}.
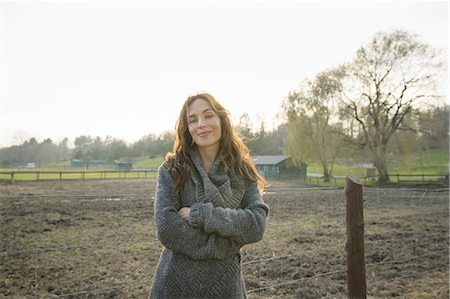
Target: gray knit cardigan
{"type": "Point", "coordinates": [201, 258]}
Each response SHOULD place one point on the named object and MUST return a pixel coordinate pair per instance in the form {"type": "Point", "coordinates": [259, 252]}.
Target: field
{"type": "Point", "coordinates": [428, 162]}
{"type": "Point", "coordinates": [95, 239]}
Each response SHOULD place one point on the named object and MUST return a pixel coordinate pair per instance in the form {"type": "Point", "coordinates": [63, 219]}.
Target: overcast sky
{"type": "Point", "coordinates": [124, 69]}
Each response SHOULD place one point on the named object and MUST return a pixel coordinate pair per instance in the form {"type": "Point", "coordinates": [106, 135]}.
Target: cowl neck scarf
{"type": "Point", "coordinates": [222, 189]}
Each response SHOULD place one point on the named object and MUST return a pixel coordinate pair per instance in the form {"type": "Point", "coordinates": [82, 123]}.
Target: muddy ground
{"type": "Point", "coordinates": [95, 239]}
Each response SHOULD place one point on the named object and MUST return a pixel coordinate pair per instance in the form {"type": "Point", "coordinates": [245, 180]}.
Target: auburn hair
{"type": "Point", "coordinates": [233, 151]}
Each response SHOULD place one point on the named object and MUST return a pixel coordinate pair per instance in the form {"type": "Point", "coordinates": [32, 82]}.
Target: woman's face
{"type": "Point", "coordinates": [204, 125]}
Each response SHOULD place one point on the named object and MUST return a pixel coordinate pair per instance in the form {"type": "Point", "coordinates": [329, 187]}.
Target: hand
{"type": "Point", "coordinates": [184, 213]}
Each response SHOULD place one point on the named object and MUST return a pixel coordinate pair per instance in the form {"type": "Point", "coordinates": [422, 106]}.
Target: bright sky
{"type": "Point", "coordinates": [124, 69]}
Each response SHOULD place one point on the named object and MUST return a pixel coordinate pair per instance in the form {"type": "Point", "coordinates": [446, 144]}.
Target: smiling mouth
{"type": "Point", "coordinates": [203, 134]}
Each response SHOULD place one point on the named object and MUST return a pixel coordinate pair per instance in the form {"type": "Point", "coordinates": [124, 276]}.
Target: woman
{"type": "Point", "coordinates": [208, 205]}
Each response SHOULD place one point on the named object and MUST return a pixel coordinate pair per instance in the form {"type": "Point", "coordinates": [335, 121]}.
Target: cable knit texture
{"type": "Point", "coordinates": [201, 257]}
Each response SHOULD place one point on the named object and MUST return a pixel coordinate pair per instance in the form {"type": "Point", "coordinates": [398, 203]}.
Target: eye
{"type": "Point", "coordinates": [192, 120]}
{"type": "Point", "coordinates": [208, 116]}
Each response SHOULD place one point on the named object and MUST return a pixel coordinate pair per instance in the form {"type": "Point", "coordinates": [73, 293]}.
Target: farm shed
{"type": "Point", "coordinates": [77, 163]}
{"type": "Point", "coordinates": [279, 165]}
{"type": "Point", "coordinates": [89, 163]}
{"type": "Point", "coordinates": [120, 165]}
{"type": "Point", "coordinates": [99, 163]}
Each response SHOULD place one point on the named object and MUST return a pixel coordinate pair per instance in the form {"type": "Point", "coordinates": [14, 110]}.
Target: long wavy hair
{"type": "Point", "coordinates": [233, 151]}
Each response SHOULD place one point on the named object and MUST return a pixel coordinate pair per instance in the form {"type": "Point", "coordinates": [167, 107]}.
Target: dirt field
{"type": "Point", "coordinates": [95, 239]}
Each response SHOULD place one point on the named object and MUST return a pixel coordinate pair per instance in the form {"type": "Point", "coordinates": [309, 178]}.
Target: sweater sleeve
{"type": "Point", "coordinates": [178, 235]}
{"type": "Point", "coordinates": [245, 225]}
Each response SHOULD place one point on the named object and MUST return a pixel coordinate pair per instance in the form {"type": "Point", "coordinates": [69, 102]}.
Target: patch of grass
{"type": "Point", "coordinates": [339, 170]}
{"type": "Point", "coordinates": [148, 163]}
{"type": "Point", "coordinates": [431, 162]}
{"type": "Point", "coordinates": [63, 164]}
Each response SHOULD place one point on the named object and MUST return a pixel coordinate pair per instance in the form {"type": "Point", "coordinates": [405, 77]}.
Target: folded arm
{"type": "Point", "coordinates": [178, 235]}
{"type": "Point", "coordinates": [244, 225]}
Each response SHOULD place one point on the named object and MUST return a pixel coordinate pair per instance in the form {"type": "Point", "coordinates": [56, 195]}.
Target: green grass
{"type": "Point", "coordinates": [63, 164]}
{"type": "Point", "coordinates": [148, 163]}
{"type": "Point", "coordinates": [338, 170]}
{"type": "Point", "coordinates": [431, 162]}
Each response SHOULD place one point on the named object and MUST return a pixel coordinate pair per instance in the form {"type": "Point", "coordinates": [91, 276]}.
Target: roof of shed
{"type": "Point", "coordinates": [269, 160]}
{"type": "Point", "coordinates": [122, 162]}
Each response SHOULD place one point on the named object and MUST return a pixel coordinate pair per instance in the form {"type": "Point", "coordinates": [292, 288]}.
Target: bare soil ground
{"type": "Point", "coordinates": [95, 239]}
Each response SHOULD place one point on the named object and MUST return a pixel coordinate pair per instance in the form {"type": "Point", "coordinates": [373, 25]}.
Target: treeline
{"type": "Point", "coordinates": [41, 153]}
{"type": "Point", "coordinates": [87, 148]}
{"type": "Point", "coordinates": [431, 132]}
{"type": "Point", "coordinates": [433, 127]}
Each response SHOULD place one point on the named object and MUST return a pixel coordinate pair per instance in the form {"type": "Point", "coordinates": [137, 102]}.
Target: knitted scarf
{"type": "Point", "coordinates": [222, 189]}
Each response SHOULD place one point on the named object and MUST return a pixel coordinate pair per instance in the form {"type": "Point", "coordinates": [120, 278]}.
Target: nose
{"type": "Point", "coordinates": [201, 122]}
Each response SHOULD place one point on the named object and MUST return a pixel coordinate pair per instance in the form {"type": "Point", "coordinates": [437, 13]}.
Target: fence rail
{"type": "Point", "coordinates": [438, 179]}
{"type": "Point", "coordinates": [40, 175]}
{"type": "Point", "coordinates": [13, 176]}
{"type": "Point", "coordinates": [421, 178]}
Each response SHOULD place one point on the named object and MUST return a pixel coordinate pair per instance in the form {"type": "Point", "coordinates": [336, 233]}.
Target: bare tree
{"type": "Point", "coordinates": [389, 77]}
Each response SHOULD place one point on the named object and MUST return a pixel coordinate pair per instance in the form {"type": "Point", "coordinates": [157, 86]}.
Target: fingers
{"type": "Point", "coordinates": [184, 213]}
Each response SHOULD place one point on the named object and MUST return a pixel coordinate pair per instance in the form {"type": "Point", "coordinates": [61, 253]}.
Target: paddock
{"type": "Point", "coordinates": [96, 239]}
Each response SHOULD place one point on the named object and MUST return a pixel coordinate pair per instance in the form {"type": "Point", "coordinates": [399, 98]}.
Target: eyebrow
{"type": "Point", "coordinates": [206, 110]}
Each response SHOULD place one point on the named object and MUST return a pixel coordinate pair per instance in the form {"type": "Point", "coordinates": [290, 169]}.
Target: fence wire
{"type": "Point", "coordinates": [101, 244]}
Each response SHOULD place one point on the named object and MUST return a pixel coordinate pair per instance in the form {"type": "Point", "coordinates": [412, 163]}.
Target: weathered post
{"type": "Point", "coordinates": [356, 269]}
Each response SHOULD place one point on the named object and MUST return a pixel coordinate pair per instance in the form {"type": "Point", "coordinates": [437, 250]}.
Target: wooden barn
{"type": "Point", "coordinates": [278, 166]}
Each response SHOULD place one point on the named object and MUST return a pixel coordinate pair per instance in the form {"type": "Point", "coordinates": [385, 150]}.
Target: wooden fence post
{"type": "Point", "coordinates": [356, 269]}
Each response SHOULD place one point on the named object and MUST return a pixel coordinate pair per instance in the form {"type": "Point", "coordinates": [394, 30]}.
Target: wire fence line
{"type": "Point", "coordinates": [42, 175]}
{"type": "Point", "coordinates": [87, 244]}
{"type": "Point", "coordinates": [400, 217]}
